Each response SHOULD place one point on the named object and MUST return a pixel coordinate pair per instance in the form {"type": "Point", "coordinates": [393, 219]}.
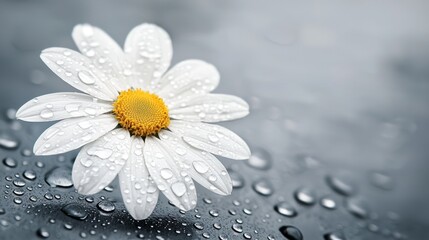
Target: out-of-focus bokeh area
{"type": "Point", "coordinates": [339, 96]}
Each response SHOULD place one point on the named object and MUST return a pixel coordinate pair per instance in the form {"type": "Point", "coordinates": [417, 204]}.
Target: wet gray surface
{"type": "Point", "coordinates": [338, 125]}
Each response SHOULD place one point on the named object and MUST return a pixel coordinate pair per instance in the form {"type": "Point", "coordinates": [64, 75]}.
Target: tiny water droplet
{"type": "Point", "coordinates": [106, 206]}
{"type": "Point", "coordinates": [263, 187]}
{"type": "Point", "coordinates": [285, 209]}
{"type": "Point", "coordinates": [305, 196]}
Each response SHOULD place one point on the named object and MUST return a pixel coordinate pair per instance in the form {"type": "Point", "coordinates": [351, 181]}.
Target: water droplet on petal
{"type": "Point", "coordinates": [200, 166]}
{"type": "Point", "coordinates": [166, 173]}
{"type": "Point", "coordinates": [178, 188]}
{"type": "Point", "coordinates": [86, 77]}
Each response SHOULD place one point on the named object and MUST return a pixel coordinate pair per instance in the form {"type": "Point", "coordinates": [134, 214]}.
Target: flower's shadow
{"type": "Point", "coordinates": [116, 225]}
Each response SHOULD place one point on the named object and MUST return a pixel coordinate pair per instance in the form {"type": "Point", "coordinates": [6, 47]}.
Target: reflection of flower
{"type": "Point", "coordinates": [136, 121]}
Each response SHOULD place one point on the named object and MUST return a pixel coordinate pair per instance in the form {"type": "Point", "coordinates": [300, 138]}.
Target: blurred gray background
{"type": "Point", "coordinates": [336, 88]}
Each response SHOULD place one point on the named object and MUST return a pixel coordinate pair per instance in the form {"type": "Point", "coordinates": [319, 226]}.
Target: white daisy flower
{"type": "Point", "coordinates": [137, 120]}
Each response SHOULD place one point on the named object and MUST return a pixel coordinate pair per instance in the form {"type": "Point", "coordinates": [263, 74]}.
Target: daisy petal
{"type": "Point", "coordinates": [148, 47]}
{"type": "Point", "coordinates": [78, 71]}
{"type": "Point", "coordinates": [139, 191]}
{"type": "Point", "coordinates": [73, 133]}
{"type": "Point", "coordinates": [212, 138]}
{"type": "Point", "coordinates": [170, 178]}
{"type": "Point", "coordinates": [202, 166]}
{"type": "Point", "coordinates": [188, 78]}
{"type": "Point", "coordinates": [98, 163]}
{"type": "Point", "coordinates": [210, 108]}
{"type": "Point", "coordinates": [103, 52]}
{"type": "Point", "coordinates": [58, 106]}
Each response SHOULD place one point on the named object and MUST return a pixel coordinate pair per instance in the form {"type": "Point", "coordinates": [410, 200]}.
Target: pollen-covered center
{"type": "Point", "coordinates": [140, 112]}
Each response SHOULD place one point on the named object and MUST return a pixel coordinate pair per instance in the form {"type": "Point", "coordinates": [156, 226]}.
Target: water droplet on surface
{"type": "Point", "coordinates": [19, 183]}
{"type": "Point", "coordinates": [357, 207]}
{"type": "Point", "coordinates": [260, 159]}
{"type": "Point", "coordinates": [59, 177]}
{"type": "Point", "coordinates": [198, 226]}
{"type": "Point", "coordinates": [328, 203]}
{"type": "Point", "coordinates": [236, 178]}
{"type": "Point", "coordinates": [106, 206]}
{"type": "Point", "coordinates": [305, 196]}
{"type": "Point", "coordinates": [263, 187]}
{"type": "Point", "coordinates": [382, 181]}
{"type": "Point", "coordinates": [341, 185]}
{"type": "Point", "coordinates": [86, 77]}
{"type": "Point", "coordinates": [334, 236]}
{"type": "Point", "coordinates": [178, 188]}
{"type": "Point", "coordinates": [8, 142]}
{"type": "Point", "coordinates": [75, 211]}
{"type": "Point", "coordinates": [285, 209]}
{"type": "Point", "coordinates": [237, 228]}
{"type": "Point", "coordinates": [29, 174]}
{"type": "Point", "coordinates": [291, 233]}
{"type": "Point", "coordinates": [43, 233]}
{"type": "Point", "coordinates": [9, 162]}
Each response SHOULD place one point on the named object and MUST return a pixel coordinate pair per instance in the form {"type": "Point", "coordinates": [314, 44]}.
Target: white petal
{"type": "Point", "coordinates": [209, 108]}
{"type": "Point", "coordinates": [73, 133]}
{"type": "Point", "coordinates": [148, 48]}
{"type": "Point", "coordinates": [212, 138]}
{"type": "Point", "coordinates": [187, 78]}
{"type": "Point", "coordinates": [98, 163]}
{"type": "Point", "coordinates": [104, 53]}
{"type": "Point", "coordinates": [202, 166]}
{"type": "Point", "coordinates": [170, 178]}
{"type": "Point", "coordinates": [139, 191]}
{"type": "Point", "coordinates": [58, 106]}
{"type": "Point", "coordinates": [78, 71]}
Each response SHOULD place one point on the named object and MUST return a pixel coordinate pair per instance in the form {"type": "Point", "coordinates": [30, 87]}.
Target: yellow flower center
{"type": "Point", "coordinates": [140, 112]}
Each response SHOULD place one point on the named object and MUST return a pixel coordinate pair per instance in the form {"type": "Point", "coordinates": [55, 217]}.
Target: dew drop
{"type": "Point", "coordinates": [46, 114]}
{"type": "Point", "coordinates": [29, 174]}
{"type": "Point", "coordinates": [86, 77]}
{"type": "Point", "coordinates": [8, 142]}
{"type": "Point", "coordinates": [200, 166]}
{"type": "Point", "coordinates": [75, 211]}
{"type": "Point", "coordinates": [334, 236]}
{"type": "Point", "coordinates": [59, 177]}
{"type": "Point", "coordinates": [285, 209]}
{"type": "Point", "coordinates": [178, 188]}
{"type": "Point", "coordinates": [341, 185]}
{"type": "Point", "coordinates": [9, 162]}
{"type": "Point", "coordinates": [263, 187]}
{"type": "Point", "coordinates": [43, 233]}
{"type": "Point", "coordinates": [357, 207]}
{"type": "Point", "coordinates": [260, 159]}
{"type": "Point", "coordinates": [328, 203]}
{"type": "Point", "coordinates": [106, 206]}
{"type": "Point", "coordinates": [291, 233]}
{"type": "Point", "coordinates": [100, 152]}
{"type": "Point", "coordinates": [166, 173]}
{"type": "Point", "coordinates": [305, 196]}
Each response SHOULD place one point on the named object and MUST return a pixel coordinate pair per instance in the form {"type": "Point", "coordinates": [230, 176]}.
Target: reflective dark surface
{"type": "Point", "coordinates": [338, 125]}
